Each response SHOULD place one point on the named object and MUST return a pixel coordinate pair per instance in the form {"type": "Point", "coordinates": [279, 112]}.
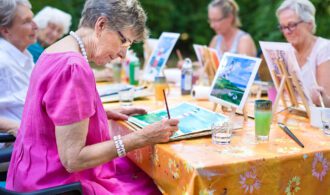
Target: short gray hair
{"type": "Point", "coordinates": [227, 7]}
{"type": "Point", "coordinates": [303, 8]}
{"type": "Point", "coordinates": [53, 15]}
{"type": "Point", "coordinates": [121, 14]}
{"type": "Point", "coordinates": [8, 10]}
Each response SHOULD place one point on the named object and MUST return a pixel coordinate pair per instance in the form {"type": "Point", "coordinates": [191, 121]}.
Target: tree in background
{"type": "Point", "coordinates": [189, 17]}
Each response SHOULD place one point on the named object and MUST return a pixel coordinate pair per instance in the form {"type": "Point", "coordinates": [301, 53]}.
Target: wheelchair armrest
{"type": "Point", "coordinates": [6, 137]}
{"type": "Point", "coordinates": [73, 188]}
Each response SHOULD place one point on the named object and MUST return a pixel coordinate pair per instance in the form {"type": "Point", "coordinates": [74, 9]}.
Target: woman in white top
{"type": "Point", "coordinates": [224, 20]}
{"type": "Point", "coordinates": [297, 23]}
{"type": "Point", "coordinates": [17, 31]}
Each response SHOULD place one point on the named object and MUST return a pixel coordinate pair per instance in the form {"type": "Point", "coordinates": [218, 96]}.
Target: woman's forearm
{"type": "Point", "coordinates": [75, 155]}
{"type": "Point", "coordinates": [100, 153]}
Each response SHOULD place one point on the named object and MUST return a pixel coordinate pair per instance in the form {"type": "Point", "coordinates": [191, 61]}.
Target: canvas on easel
{"type": "Point", "coordinates": [149, 46]}
{"type": "Point", "coordinates": [159, 56]}
{"type": "Point", "coordinates": [208, 59]}
{"type": "Point", "coordinates": [285, 72]}
{"type": "Point", "coordinates": [233, 80]}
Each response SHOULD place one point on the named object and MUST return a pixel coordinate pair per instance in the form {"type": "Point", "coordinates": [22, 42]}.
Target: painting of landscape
{"type": "Point", "coordinates": [234, 78]}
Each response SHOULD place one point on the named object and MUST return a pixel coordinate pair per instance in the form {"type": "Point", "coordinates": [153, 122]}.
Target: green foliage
{"type": "Point", "coordinates": [72, 7]}
{"type": "Point", "coordinates": [189, 17]}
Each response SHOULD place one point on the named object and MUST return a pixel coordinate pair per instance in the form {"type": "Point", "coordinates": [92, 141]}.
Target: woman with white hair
{"type": "Point", "coordinates": [17, 31]}
{"type": "Point", "coordinates": [53, 24]}
{"type": "Point", "coordinates": [297, 23]}
{"type": "Point", "coordinates": [64, 134]}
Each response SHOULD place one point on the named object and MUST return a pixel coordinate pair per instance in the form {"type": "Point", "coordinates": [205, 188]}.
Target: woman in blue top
{"type": "Point", "coordinates": [53, 24]}
{"type": "Point", "coordinates": [224, 20]}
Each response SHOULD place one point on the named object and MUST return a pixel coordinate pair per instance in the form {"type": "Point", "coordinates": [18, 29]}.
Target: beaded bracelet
{"type": "Point", "coordinates": [119, 146]}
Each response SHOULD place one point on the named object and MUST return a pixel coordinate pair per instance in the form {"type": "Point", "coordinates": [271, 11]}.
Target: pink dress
{"type": "Point", "coordinates": [62, 91]}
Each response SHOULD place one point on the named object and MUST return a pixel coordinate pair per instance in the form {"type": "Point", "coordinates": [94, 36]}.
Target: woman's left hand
{"type": "Point", "coordinates": [124, 113]}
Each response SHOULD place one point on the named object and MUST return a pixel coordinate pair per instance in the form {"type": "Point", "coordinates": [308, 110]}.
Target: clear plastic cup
{"type": "Point", "coordinates": [126, 97]}
{"type": "Point", "coordinates": [221, 133]}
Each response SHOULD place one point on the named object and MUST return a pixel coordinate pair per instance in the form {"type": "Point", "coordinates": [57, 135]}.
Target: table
{"type": "Point", "coordinates": [197, 166]}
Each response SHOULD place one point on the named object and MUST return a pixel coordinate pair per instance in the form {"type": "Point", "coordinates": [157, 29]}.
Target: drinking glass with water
{"type": "Point", "coordinates": [126, 97]}
{"type": "Point", "coordinates": [221, 133]}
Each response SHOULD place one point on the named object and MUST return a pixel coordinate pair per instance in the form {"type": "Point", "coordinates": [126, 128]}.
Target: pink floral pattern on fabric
{"type": "Point", "coordinates": [249, 181]}
{"type": "Point", "coordinates": [320, 166]}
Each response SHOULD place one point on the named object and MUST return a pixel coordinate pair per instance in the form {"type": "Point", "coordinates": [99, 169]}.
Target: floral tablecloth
{"type": "Point", "coordinates": [278, 166]}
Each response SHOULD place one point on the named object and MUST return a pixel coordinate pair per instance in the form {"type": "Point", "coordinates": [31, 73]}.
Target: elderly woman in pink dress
{"type": "Point", "coordinates": [64, 134]}
{"type": "Point", "coordinates": [297, 23]}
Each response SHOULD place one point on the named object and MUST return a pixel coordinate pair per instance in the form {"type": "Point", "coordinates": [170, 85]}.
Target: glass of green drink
{"type": "Point", "coordinates": [263, 119]}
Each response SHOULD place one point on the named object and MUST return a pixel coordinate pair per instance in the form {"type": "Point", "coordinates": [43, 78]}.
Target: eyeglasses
{"type": "Point", "coordinates": [216, 20]}
{"type": "Point", "coordinates": [124, 41]}
{"type": "Point", "coordinates": [291, 26]}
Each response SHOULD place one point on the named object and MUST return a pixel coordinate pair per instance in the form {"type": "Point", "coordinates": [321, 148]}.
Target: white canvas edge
{"type": "Point", "coordinates": [248, 86]}
{"type": "Point", "coordinates": [199, 57]}
{"type": "Point", "coordinates": [148, 77]}
{"type": "Point", "coordinates": [264, 45]}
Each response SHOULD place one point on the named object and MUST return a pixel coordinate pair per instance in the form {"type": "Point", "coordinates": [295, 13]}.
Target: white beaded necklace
{"type": "Point", "coordinates": [80, 43]}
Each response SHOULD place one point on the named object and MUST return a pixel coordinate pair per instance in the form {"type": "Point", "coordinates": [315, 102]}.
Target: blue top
{"type": "Point", "coordinates": [36, 49]}
{"type": "Point", "coordinates": [234, 46]}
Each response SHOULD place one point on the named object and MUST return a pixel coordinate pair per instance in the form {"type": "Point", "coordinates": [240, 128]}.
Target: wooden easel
{"type": "Point", "coordinates": [209, 64]}
{"type": "Point", "coordinates": [286, 82]}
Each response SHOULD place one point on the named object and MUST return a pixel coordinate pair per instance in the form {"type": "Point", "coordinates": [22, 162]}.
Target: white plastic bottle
{"type": "Point", "coordinates": [186, 77]}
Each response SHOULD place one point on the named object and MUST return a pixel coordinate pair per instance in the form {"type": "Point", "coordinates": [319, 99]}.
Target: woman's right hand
{"type": "Point", "coordinates": [159, 132]}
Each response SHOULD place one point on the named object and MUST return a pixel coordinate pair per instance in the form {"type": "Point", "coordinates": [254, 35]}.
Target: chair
{"type": "Point", "coordinates": [5, 155]}
{"type": "Point", "coordinates": [5, 138]}
{"type": "Point", "coordinates": [73, 188]}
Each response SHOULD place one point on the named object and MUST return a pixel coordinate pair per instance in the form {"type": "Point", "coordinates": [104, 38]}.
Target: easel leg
{"type": "Point", "coordinates": [214, 107]}
{"type": "Point", "coordinates": [301, 95]}
{"type": "Point", "coordinates": [245, 114]}
{"type": "Point", "coordinates": [279, 94]}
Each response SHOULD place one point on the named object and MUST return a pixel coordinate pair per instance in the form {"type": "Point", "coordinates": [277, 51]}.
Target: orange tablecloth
{"type": "Point", "coordinates": [279, 166]}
